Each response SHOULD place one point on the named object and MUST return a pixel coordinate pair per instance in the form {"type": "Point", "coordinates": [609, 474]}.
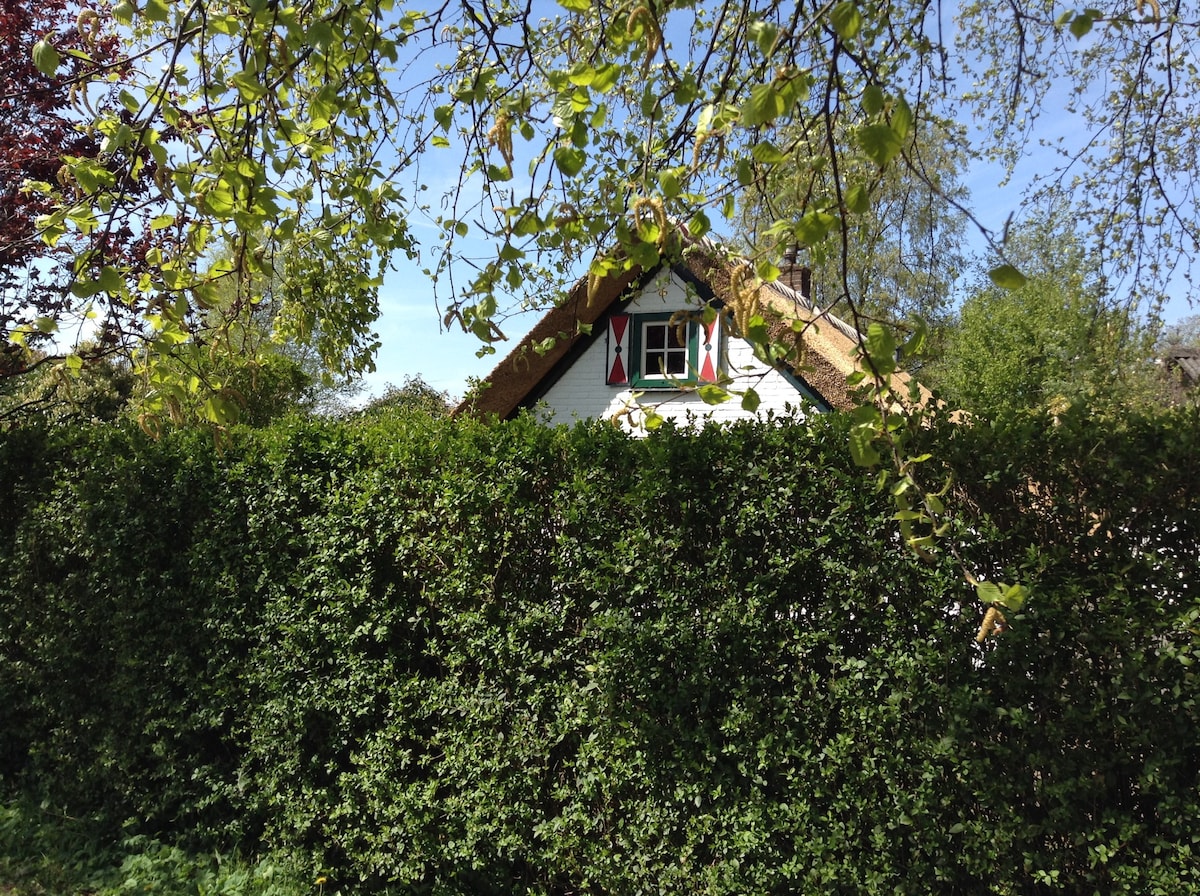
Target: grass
{"type": "Point", "coordinates": [44, 853]}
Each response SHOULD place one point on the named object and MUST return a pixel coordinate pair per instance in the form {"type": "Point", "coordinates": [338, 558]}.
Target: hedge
{"type": "Point", "coordinates": [462, 659]}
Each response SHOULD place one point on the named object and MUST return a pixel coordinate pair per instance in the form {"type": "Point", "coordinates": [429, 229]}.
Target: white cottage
{"type": "Point", "coordinates": [657, 337]}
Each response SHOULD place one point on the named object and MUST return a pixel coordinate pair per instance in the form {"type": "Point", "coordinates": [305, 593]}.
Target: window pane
{"type": "Point", "coordinates": [676, 363]}
{"type": "Point", "coordinates": [656, 336]}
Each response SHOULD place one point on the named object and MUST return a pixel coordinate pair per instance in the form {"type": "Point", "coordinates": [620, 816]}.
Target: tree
{"type": "Point", "coordinates": [594, 127]}
{"type": "Point", "coordinates": [99, 391]}
{"type": "Point", "coordinates": [415, 395]}
{"type": "Point", "coordinates": [45, 111]}
{"type": "Point", "coordinates": [903, 254]}
{"type": "Point", "coordinates": [1060, 338]}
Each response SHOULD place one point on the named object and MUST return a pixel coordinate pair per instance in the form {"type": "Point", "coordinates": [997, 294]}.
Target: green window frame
{"type": "Point", "coordinates": [659, 361]}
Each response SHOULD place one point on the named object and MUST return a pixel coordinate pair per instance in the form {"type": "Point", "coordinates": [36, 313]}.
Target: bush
{"type": "Point", "coordinates": [470, 659]}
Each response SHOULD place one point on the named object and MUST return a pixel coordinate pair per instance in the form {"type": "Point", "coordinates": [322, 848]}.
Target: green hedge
{"type": "Point", "coordinates": [470, 660]}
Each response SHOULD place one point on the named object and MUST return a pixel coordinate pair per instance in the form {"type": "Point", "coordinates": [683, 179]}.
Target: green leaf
{"type": "Point", "coordinates": [767, 153]}
{"type": "Point", "coordinates": [881, 347]}
{"type": "Point", "coordinates": [902, 118]}
{"type": "Point", "coordinates": [873, 99]}
{"type": "Point", "coordinates": [606, 77]}
{"type": "Point", "coordinates": [123, 12]}
{"type": "Point", "coordinates": [766, 270]}
{"type": "Point", "coordinates": [750, 401]}
{"type": "Point", "coordinates": [669, 183]}
{"type": "Point", "coordinates": [570, 160]}
{"type": "Point", "coordinates": [157, 10]}
{"type": "Point", "coordinates": [110, 280]}
{"type": "Point", "coordinates": [1082, 24]}
{"type": "Point", "coordinates": [858, 198]}
{"type": "Point", "coordinates": [320, 34]}
{"type": "Point", "coordinates": [1007, 277]}
{"type": "Point", "coordinates": [880, 142]}
{"type": "Point", "coordinates": [764, 34]}
{"type": "Point", "coordinates": [1014, 597]}
{"type": "Point", "coordinates": [862, 447]}
{"type": "Point", "coordinates": [814, 227]}
{"type": "Point", "coordinates": [711, 393]}
{"type": "Point", "coordinates": [45, 57]}
{"type": "Point", "coordinates": [219, 202]}
{"type": "Point", "coordinates": [846, 20]}
{"type": "Point", "coordinates": [764, 105]}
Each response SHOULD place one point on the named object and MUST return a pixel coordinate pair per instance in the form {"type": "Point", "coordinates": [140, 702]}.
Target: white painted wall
{"type": "Point", "coordinates": [581, 392]}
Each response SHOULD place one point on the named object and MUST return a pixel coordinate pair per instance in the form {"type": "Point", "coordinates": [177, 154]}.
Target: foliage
{"type": "Point", "coordinates": [1056, 339]}
{"type": "Point", "coordinates": [461, 659]}
{"type": "Point", "coordinates": [903, 251]}
{"type": "Point", "coordinates": [415, 395]}
{"type": "Point", "coordinates": [1185, 331]}
{"type": "Point", "coordinates": [297, 142]}
{"type": "Point", "coordinates": [42, 852]}
{"type": "Point", "coordinates": [98, 391]}
{"type": "Point", "coordinates": [43, 109]}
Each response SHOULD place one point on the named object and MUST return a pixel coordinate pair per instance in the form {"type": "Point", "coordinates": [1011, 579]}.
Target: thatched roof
{"type": "Point", "coordinates": [829, 346]}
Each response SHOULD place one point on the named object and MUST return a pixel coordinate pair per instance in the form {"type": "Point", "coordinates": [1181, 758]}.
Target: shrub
{"type": "Point", "coordinates": [468, 659]}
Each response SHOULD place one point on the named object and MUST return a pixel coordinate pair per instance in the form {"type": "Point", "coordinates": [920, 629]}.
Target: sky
{"type": "Point", "coordinates": [415, 344]}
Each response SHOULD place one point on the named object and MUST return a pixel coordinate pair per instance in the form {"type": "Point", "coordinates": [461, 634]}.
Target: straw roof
{"type": "Point", "coordinates": [829, 346]}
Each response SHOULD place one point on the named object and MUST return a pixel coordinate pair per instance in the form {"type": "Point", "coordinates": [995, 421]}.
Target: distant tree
{"type": "Point", "coordinates": [1059, 338]}
{"type": "Point", "coordinates": [1185, 331]}
{"type": "Point", "coordinates": [903, 251]}
{"type": "Point", "coordinates": [414, 395]}
{"type": "Point", "coordinates": [257, 364]}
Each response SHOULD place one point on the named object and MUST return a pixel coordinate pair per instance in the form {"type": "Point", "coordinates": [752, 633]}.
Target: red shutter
{"type": "Point", "coordinates": [617, 366]}
{"type": "Point", "coordinates": [709, 356]}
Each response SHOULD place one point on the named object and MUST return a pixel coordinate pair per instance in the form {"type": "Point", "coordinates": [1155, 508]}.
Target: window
{"type": "Point", "coordinates": [659, 351]}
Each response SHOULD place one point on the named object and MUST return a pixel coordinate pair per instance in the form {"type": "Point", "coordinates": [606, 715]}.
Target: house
{"type": "Point", "coordinates": [620, 345]}
{"type": "Point", "coordinates": [1181, 367]}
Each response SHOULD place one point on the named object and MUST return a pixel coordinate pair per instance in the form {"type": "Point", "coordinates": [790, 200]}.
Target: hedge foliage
{"type": "Point", "coordinates": [494, 660]}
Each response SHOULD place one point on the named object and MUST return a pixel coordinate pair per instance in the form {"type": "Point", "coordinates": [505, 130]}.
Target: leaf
{"type": "Point", "coordinates": [767, 153]}
{"type": "Point", "coordinates": [157, 10]}
{"type": "Point", "coordinates": [123, 12]}
{"type": "Point", "coordinates": [880, 142]}
{"type": "Point", "coordinates": [1007, 277]}
{"type": "Point", "coordinates": [846, 20]}
{"type": "Point", "coordinates": [570, 160]}
{"type": "Point", "coordinates": [766, 270]}
{"type": "Point", "coordinates": [711, 393]}
{"type": "Point", "coordinates": [1082, 24]}
{"type": "Point", "coordinates": [988, 592]}
{"type": "Point", "coordinates": [858, 198]}
{"type": "Point", "coordinates": [814, 227]}
{"type": "Point", "coordinates": [902, 118]}
{"type": "Point", "coordinates": [606, 77]}
{"type": "Point", "coordinates": [764, 105]}
{"type": "Point", "coordinates": [873, 99]}
{"type": "Point", "coordinates": [764, 34]}
{"type": "Point", "coordinates": [881, 348]}
{"type": "Point", "coordinates": [45, 57]}
{"type": "Point", "coordinates": [862, 448]}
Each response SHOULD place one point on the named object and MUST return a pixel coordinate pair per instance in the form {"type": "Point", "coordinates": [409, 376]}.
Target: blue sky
{"type": "Point", "coordinates": [414, 342]}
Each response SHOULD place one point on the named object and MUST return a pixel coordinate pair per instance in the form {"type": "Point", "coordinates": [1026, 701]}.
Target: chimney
{"type": "Point", "coordinates": [796, 276]}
